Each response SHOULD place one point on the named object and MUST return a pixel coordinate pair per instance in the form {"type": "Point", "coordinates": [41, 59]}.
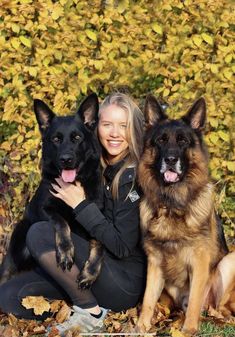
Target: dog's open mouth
{"type": "Point", "coordinates": [69, 176]}
{"type": "Point", "coordinates": [171, 176]}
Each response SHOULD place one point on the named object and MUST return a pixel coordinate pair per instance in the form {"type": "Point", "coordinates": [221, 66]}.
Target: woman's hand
{"type": "Point", "coordinates": [71, 194]}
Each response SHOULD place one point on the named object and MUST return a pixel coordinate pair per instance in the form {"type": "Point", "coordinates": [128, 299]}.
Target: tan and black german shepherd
{"type": "Point", "coordinates": [183, 239]}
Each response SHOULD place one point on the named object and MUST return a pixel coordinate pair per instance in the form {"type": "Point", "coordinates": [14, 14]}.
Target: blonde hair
{"type": "Point", "coordinates": [135, 129]}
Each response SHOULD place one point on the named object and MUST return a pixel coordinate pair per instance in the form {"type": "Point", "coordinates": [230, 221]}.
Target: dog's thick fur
{"type": "Point", "coordinates": [182, 237]}
{"type": "Point", "coordinates": [70, 149]}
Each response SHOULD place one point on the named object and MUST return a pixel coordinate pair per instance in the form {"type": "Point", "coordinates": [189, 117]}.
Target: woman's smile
{"type": "Point", "coordinates": [112, 131]}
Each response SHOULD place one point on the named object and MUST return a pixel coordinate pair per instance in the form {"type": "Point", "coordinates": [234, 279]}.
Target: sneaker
{"type": "Point", "coordinates": [82, 321]}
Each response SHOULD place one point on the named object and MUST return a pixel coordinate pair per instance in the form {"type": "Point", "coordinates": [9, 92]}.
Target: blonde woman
{"type": "Point", "coordinates": [121, 282]}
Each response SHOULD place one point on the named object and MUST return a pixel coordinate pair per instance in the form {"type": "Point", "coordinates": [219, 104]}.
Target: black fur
{"type": "Point", "coordinates": [68, 143]}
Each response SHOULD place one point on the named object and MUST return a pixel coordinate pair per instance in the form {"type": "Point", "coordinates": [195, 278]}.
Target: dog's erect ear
{"type": "Point", "coordinates": [196, 116]}
{"type": "Point", "coordinates": [153, 111]}
{"type": "Point", "coordinates": [43, 114]}
{"type": "Point", "coordinates": [88, 111]}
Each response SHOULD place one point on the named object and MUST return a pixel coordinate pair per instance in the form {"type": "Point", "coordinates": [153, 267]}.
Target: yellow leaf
{"type": "Point", "coordinates": [156, 28]}
{"type": "Point", "coordinates": [15, 42]}
{"type": "Point", "coordinates": [147, 31]}
{"type": "Point", "coordinates": [57, 12]}
{"type": "Point", "coordinates": [26, 41]}
{"type": "Point", "coordinates": [33, 71]}
{"type": "Point", "coordinates": [175, 87]}
{"type": "Point", "coordinates": [37, 303]}
{"type": "Point", "coordinates": [197, 40]}
{"type": "Point", "coordinates": [166, 92]}
{"type": "Point", "coordinates": [177, 333]}
{"type": "Point", "coordinates": [207, 38]}
{"type": "Point", "coordinates": [228, 58]}
{"type": "Point", "coordinates": [214, 68]}
{"type": "Point", "coordinates": [15, 28]}
{"type": "Point", "coordinates": [122, 6]}
{"type": "Point", "coordinates": [214, 138]}
{"type": "Point", "coordinates": [20, 139]}
{"type": "Point", "coordinates": [227, 73]}
{"type": "Point", "coordinates": [213, 122]}
{"type": "Point", "coordinates": [5, 146]}
{"type": "Point", "coordinates": [91, 34]}
{"type": "Point", "coordinates": [223, 135]}
{"type": "Point", "coordinates": [231, 165]}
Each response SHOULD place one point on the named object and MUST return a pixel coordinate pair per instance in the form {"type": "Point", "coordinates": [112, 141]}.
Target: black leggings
{"type": "Point", "coordinates": [115, 288]}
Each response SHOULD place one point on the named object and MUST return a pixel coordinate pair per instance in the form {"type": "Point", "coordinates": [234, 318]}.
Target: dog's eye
{"type": "Point", "coordinates": [163, 139]}
{"type": "Point", "coordinates": [56, 139]}
{"type": "Point", "coordinates": [76, 137]}
{"type": "Point", "coordinates": [182, 140]}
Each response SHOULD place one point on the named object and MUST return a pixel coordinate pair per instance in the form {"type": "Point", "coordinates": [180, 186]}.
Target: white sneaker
{"type": "Point", "coordinates": [82, 321]}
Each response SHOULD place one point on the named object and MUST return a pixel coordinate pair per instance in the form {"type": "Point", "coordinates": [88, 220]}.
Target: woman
{"type": "Point", "coordinates": [121, 281]}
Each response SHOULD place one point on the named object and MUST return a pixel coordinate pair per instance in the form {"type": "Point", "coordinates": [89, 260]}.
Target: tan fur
{"type": "Point", "coordinates": [181, 243]}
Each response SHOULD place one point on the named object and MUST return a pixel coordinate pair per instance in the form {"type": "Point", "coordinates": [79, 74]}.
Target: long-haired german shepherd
{"type": "Point", "coordinates": [182, 237]}
{"type": "Point", "coordinates": [70, 149]}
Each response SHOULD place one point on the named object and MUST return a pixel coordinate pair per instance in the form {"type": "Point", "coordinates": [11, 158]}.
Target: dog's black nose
{"type": "Point", "coordinates": [66, 159]}
{"type": "Point", "coordinates": [171, 160]}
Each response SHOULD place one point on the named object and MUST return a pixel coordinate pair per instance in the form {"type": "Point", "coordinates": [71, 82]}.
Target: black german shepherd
{"type": "Point", "coordinates": [70, 150]}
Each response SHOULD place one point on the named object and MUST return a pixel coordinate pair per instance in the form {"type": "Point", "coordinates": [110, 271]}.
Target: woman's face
{"type": "Point", "coordinates": [112, 132]}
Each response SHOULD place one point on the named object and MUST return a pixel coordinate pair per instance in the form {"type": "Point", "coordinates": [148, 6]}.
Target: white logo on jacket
{"type": "Point", "coordinates": [133, 195]}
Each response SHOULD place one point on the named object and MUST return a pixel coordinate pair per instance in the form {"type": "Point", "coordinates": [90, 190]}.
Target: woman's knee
{"type": "Point", "coordinates": [40, 238]}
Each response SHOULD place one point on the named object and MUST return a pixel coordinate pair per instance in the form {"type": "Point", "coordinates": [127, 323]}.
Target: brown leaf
{"type": "Point", "coordinates": [37, 303]}
{"type": "Point", "coordinates": [63, 313]}
{"type": "Point", "coordinates": [56, 305]}
{"type": "Point", "coordinates": [12, 320]}
{"type": "Point", "coordinates": [9, 331]}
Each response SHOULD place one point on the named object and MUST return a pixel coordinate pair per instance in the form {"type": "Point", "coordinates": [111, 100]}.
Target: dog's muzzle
{"type": "Point", "coordinates": [171, 169]}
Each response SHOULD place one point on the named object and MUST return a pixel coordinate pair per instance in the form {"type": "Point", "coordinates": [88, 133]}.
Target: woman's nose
{"type": "Point", "coordinates": [114, 132]}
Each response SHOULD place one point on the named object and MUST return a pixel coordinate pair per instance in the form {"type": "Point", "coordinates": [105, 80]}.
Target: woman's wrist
{"type": "Point", "coordinates": [75, 203]}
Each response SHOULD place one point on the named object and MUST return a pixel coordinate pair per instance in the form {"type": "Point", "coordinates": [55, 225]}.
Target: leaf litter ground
{"type": "Point", "coordinates": [164, 323]}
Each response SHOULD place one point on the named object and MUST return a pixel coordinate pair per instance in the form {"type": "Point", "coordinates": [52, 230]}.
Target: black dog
{"type": "Point", "coordinates": [70, 149]}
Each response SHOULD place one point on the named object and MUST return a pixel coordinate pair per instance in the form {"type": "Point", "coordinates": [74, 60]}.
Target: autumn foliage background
{"type": "Point", "coordinates": [60, 51]}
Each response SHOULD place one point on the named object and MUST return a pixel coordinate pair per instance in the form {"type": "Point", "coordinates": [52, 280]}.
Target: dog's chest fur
{"type": "Point", "coordinates": [175, 236]}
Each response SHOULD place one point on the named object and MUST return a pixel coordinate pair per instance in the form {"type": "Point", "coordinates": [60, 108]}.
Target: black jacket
{"type": "Point", "coordinates": [117, 227]}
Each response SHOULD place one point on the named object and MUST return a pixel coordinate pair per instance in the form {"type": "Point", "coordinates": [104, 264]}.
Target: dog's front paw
{"type": "Point", "coordinates": [189, 330]}
{"type": "Point", "coordinates": [65, 258]}
{"type": "Point", "coordinates": [143, 325]}
{"type": "Point", "coordinates": [85, 279]}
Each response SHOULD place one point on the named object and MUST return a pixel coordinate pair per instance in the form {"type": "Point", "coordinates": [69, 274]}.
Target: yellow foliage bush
{"type": "Point", "coordinates": [59, 51]}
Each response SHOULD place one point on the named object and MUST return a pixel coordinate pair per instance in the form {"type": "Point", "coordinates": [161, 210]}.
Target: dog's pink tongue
{"type": "Point", "coordinates": [171, 177]}
{"type": "Point", "coordinates": [68, 176]}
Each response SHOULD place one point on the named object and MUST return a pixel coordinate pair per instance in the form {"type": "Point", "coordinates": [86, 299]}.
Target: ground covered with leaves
{"type": "Point", "coordinates": [165, 322]}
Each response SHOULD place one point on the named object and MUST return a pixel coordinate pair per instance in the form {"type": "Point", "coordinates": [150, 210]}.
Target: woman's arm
{"type": "Point", "coordinates": [121, 236]}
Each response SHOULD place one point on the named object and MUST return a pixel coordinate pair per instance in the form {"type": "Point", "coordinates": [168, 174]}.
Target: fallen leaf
{"type": "Point", "coordinates": [63, 313]}
{"type": "Point", "coordinates": [177, 333]}
{"type": "Point", "coordinates": [37, 303]}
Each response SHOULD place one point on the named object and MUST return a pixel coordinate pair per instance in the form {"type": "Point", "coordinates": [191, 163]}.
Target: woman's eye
{"type": "Point", "coordinates": [123, 126]}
